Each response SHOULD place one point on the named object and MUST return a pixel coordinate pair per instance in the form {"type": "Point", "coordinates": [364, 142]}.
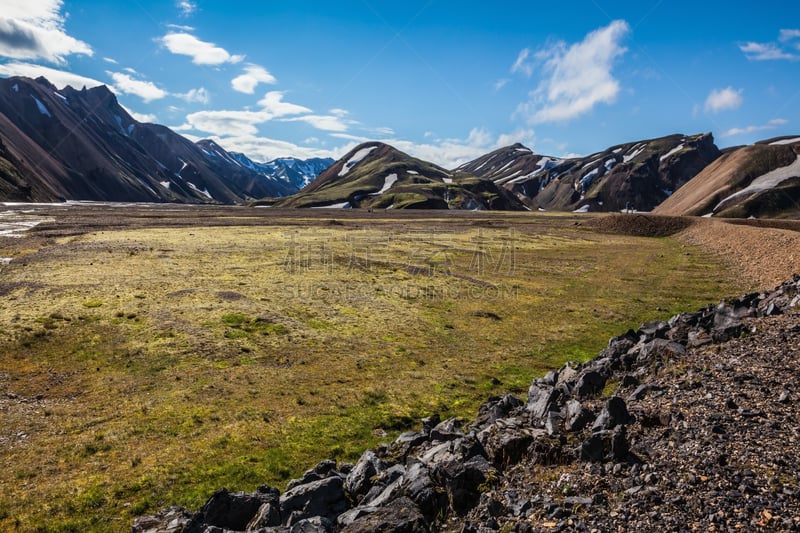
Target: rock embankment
{"type": "Point", "coordinates": [690, 424]}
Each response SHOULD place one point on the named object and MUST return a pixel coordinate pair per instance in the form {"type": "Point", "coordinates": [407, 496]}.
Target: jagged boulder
{"type": "Point", "coordinates": [325, 498]}
{"type": "Point", "coordinates": [360, 479]}
{"type": "Point", "coordinates": [399, 516]}
{"type": "Point", "coordinates": [235, 510]}
{"type": "Point", "coordinates": [463, 481]}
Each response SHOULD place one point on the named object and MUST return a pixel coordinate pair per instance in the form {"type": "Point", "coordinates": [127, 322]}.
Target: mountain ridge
{"type": "Point", "coordinates": [74, 144]}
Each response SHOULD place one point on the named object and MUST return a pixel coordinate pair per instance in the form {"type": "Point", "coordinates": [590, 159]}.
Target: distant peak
{"type": "Point", "coordinates": [41, 80]}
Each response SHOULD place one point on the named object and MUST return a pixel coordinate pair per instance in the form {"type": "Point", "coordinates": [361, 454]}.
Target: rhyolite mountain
{"type": "Point", "coordinates": [761, 180]}
{"type": "Point", "coordinates": [71, 144]}
{"type": "Point", "coordinates": [638, 175]}
{"type": "Point", "coordinates": [376, 175]}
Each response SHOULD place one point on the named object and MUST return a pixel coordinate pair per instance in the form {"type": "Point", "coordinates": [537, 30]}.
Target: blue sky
{"type": "Point", "coordinates": [445, 81]}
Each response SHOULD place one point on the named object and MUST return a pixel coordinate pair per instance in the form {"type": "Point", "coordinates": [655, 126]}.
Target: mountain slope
{"type": "Point", "coordinates": [376, 175]}
{"type": "Point", "coordinates": [73, 144]}
{"type": "Point", "coordinates": [638, 175]}
{"type": "Point", "coordinates": [761, 180]}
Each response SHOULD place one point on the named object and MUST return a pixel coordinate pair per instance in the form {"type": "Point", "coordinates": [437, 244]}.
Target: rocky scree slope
{"type": "Point", "coordinates": [73, 144]}
{"type": "Point", "coordinates": [690, 424]}
{"type": "Point", "coordinates": [761, 181]}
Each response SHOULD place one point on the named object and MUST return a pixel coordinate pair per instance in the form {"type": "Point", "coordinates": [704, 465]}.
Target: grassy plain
{"type": "Point", "coordinates": [147, 365]}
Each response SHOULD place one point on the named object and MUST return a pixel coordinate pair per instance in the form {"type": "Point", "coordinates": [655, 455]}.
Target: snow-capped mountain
{"type": "Point", "coordinates": [296, 172]}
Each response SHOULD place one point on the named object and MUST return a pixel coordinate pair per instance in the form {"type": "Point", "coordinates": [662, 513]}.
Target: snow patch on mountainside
{"type": "Point", "coordinates": [343, 205]}
{"type": "Point", "coordinates": [785, 141]}
{"type": "Point", "coordinates": [118, 120]}
{"type": "Point", "coordinates": [587, 180]}
{"type": "Point", "coordinates": [634, 152]}
{"type": "Point", "coordinates": [204, 192]}
{"type": "Point", "coordinates": [356, 159]}
{"type": "Point", "coordinates": [672, 152]}
{"type": "Point", "coordinates": [767, 181]}
{"type": "Point", "coordinates": [42, 109]}
{"type": "Point", "coordinates": [391, 179]}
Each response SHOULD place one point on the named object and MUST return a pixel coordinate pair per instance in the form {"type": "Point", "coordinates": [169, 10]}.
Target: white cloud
{"type": "Point", "coordinates": [273, 104]}
{"type": "Point", "coordinates": [499, 84]}
{"type": "Point", "coordinates": [181, 27]}
{"type": "Point", "coordinates": [230, 123]}
{"type": "Point", "coordinates": [766, 52]}
{"type": "Point", "coordinates": [253, 75]}
{"type": "Point", "coordinates": [788, 35]}
{"type": "Point", "coordinates": [200, 96]}
{"type": "Point", "coordinates": [186, 7]}
{"type": "Point", "coordinates": [226, 123]}
{"type": "Point", "coordinates": [324, 122]}
{"type": "Point", "coordinates": [34, 29]}
{"type": "Point", "coordinates": [140, 117]}
{"type": "Point", "coordinates": [522, 64]}
{"type": "Point", "coordinates": [110, 60]}
{"type": "Point", "coordinates": [201, 52]}
{"type": "Point", "coordinates": [146, 90]}
{"type": "Point", "coordinates": [773, 51]}
{"type": "Point", "coordinates": [771, 125]}
{"type": "Point", "coordinates": [59, 78]}
{"type": "Point", "coordinates": [723, 99]}
{"type": "Point", "coordinates": [383, 131]}
{"type": "Point", "coordinates": [579, 76]}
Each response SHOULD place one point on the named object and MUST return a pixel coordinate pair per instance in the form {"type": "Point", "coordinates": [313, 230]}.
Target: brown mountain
{"type": "Point", "coordinates": [761, 180]}
{"type": "Point", "coordinates": [73, 144]}
{"type": "Point", "coordinates": [638, 175]}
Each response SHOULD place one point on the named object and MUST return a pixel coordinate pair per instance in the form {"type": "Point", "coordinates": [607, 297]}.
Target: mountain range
{"type": "Point", "coordinates": [73, 144]}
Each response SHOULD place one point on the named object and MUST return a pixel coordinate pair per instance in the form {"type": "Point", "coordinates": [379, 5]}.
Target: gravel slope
{"type": "Point", "coordinates": [765, 256]}
{"type": "Point", "coordinates": [717, 446]}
